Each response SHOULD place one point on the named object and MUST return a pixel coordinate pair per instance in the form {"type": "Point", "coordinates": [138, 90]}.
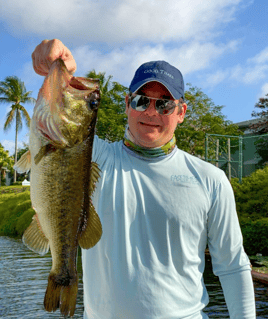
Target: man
{"type": "Point", "coordinates": [159, 207]}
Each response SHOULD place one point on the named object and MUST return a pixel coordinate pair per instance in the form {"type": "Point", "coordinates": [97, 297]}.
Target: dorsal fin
{"type": "Point", "coordinates": [24, 164]}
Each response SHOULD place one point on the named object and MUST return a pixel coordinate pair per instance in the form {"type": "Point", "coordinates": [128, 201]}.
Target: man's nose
{"type": "Point", "coordinates": [151, 109]}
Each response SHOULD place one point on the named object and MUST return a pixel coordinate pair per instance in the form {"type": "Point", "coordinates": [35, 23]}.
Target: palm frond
{"type": "Point", "coordinates": [9, 119]}
{"type": "Point", "coordinates": [12, 88]}
{"type": "Point", "coordinates": [4, 100]}
{"type": "Point", "coordinates": [6, 91]}
{"type": "Point", "coordinates": [27, 99]}
{"type": "Point", "coordinates": [106, 85]}
{"type": "Point", "coordinates": [25, 116]}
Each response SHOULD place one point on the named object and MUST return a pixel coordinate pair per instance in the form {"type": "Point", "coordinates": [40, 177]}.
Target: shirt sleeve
{"type": "Point", "coordinates": [229, 260]}
{"type": "Point", "coordinates": [102, 150]}
{"type": "Point", "coordinates": [239, 294]}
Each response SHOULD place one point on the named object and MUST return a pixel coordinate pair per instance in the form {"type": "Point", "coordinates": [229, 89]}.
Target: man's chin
{"type": "Point", "coordinates": [148, 140]}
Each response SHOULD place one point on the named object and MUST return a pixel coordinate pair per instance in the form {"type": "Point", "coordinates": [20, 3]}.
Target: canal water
{"type": "Point", "coordinates": [23, 281]}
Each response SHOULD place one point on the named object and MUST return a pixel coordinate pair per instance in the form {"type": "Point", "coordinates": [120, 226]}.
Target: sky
{"type": "Point", "coordinates": [220, 46]}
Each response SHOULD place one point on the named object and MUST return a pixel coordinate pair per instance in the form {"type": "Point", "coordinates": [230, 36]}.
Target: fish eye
{"type": "Point", "coordinates": [93, 104]}
{"type": "Point", "coordinates": [93, 101]}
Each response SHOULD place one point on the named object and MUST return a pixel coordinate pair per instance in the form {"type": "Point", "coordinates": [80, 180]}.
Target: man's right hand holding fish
{"type": "Point", "coordinates": [47, 52]}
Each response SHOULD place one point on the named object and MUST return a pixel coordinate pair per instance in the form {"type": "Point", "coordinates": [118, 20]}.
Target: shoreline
{"type": "Point", "coordinates": [256, 276]}
{"type": "Point", "coordinates": [259, 277]}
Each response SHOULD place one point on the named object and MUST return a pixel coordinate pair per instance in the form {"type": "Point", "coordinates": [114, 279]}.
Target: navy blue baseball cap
{"type": "Point", "coordinates": [160, 71]}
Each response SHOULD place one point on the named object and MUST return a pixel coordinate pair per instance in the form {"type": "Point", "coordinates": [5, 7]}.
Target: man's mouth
{"type": "Point", "coordinates": [149, 124]}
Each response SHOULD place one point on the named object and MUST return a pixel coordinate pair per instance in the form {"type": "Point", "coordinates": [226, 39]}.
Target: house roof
{"type": "Point", "coordinates": [247, 124]}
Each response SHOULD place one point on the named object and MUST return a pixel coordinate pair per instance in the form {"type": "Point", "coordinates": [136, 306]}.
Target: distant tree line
{"type": "Point", "coordinates": [261, 128]}
{"type": "Point", "coordinates": [202, 115]}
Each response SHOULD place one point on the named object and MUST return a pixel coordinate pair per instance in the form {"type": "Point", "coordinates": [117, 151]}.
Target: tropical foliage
{"type": "Point", "coordinates": [111, 115]}
{"type": "Point", "coordinates": [252, 208]}
{"type": "Point", "coordinates": [13, 91]}
{"type": "Point", "coordinates": [261, 128]}
{"type": "Point", "coordinates": [5, 162]}
{"type": "Point", "coordinates": [202, 117]}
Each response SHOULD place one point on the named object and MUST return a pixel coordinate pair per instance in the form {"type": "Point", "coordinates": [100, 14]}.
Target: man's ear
{"type": "Point", "coordinates": [126, 100]}
{"type": "Point", "coordinates": [182, 113]}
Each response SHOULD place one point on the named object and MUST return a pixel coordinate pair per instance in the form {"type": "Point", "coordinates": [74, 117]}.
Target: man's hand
{"type": "Point", "coordinates": [47, 52]}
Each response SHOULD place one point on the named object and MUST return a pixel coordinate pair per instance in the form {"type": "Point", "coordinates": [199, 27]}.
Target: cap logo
{"type": "Point", "coordinates": [159, 71]}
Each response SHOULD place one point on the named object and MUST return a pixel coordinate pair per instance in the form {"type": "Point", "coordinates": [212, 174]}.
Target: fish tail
{"type": "Point", "coordinates": [61, 293]}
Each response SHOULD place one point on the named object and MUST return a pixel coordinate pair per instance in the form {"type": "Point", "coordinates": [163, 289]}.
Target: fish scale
{"type": "Point", "coordinates": [63, 179]}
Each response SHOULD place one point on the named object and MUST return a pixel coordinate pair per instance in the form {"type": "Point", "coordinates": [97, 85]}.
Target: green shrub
{"type": "Point", "coordinates": [9, 228]}
{"type": "Point", "coordinates": [13, 189]}
{"type": "Point", "coordinates": [24, 221]}
{"type": "Point", "coordinates": [22, 207]}
{"type": "Point", "coordinates": [12, 206]}
{"type": "Point", "coordinates": [251, 196]}
{"type": "Point", "coordinates": [252, 209]}
{"type": "Point", "coordinates": [17, 183]}
{"type": "Point", "coordinates": [255, 236]}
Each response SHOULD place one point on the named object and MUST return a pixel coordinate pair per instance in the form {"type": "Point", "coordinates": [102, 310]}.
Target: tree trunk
{"type": "Point", "coordinates": [16, 137]}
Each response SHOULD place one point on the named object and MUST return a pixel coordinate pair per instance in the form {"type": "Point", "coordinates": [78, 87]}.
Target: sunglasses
{"type": "Point", "coordinates": [141, 103]}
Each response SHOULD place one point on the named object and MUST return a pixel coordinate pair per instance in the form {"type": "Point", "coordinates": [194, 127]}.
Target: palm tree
{"type": "Point", "coordinates": [14, 91]}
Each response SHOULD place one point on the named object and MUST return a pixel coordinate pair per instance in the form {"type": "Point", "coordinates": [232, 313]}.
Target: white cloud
{"type": "Point", "coordinates": [255, 74]}
{"type": "Point", "coordinates": [122, 20]}
{"type": "Point", "coordinates": [264, 90]}
{"type": "Point", "coordinates": [30, 78]}
{"type": "Point", "coordinates": [10, 146]}
{"type": "Point", "coordinates": [216, 78]}
{"type": "Point", "coordinates": [260, 58]}
{"type": "Point", "coordinates": [253, 71]}
{"type": "Point", "coordinates": [123, 62]}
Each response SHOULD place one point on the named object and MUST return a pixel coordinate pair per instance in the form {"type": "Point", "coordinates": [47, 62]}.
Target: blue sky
{"type": "Point", "coordinates": [220, 46]}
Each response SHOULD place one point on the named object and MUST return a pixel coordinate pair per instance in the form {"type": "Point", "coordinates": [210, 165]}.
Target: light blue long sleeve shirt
{"type": "Point", "coordinates": [158, 215]}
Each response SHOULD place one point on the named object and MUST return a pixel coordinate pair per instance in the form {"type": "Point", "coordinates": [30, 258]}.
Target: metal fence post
{"type": "Point", "coordinates": [206, 148]}
{"type": "Point", "coordinates": [240, 166]}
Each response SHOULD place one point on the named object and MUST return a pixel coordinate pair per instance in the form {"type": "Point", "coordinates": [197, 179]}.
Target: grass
{"type": "Point", "coordinates": [262, 260]}
{"type": "Point", "coordinates": [16, 215]}
{"type": "Point", "coordinates": [15, 210]}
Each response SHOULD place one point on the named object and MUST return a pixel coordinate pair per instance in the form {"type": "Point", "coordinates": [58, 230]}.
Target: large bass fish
{"type": "Point", "coordinates": [63, 178]}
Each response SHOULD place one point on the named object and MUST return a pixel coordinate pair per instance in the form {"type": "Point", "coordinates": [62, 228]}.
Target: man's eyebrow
{"type": "Point", "coordinates": [167, 97]}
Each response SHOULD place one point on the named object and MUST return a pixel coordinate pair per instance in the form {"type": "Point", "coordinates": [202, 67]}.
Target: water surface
{"type": "Point", "coordinates": [23, 281]}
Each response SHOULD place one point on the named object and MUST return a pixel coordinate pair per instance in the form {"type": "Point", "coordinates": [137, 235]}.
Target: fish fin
{"type": "Point", "coordinates": [61, 293]}
{"type": "Point", "coordinates": [94, 177]}
{"type": "Point", "coordinates": [91, 230]}
{"type": "Point", "coordinates": [43, 152]}
{"type": "Point", "coordinates": [34, 238]}
{"type": "Point", "coordinates": [24, 164]}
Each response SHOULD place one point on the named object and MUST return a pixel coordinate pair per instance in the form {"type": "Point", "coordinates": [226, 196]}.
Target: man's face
{"type": "Point", "coordinates": [149, 128]}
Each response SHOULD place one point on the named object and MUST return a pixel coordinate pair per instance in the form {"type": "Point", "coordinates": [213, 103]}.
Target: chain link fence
{"type": "Point", "coordinates": [236, 155]}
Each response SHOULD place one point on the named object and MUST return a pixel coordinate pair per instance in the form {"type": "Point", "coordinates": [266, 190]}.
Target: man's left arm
{"type": "Point", "coordinates": [229, 260]}
{"type": "Point", "coordinates": [239, 294]}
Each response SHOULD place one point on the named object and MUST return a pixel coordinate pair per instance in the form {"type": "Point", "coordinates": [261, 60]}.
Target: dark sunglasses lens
{"type": "Point", "coordinates": [165, 107]}
{"type": "Point", "coordinates": [140, 103]}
